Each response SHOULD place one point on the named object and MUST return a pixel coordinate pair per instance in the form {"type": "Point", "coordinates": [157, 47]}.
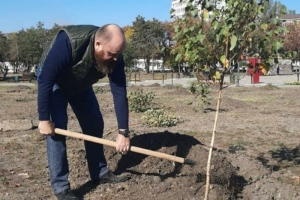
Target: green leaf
{"type": "Point", "coordinates": [194, 12]}
{"type": "Point", "coordinates": [235, 4]}
{"type": "Point", "coordinates": [294, 54]}
{"type": "Point", "coordinates": [218, 38]}
{"type": "Point", "coordinates": [215, 25]}
{"type": "Point", "coordinates": [178, 57]}
{"type": "Point", "coordinates": [277, 45]}
{"type": "Point", "coordinates": [264, 26]}
{"type": "Point", "coordinates": [185, 31]}
{"type": "Point", "coordinates": [233, 41]}
{"type": "Point", "coordinates": [187, 45]}
{"type": "Point", "coordinates": [205, 14]}
{"type": "Point", "coordinates": [225, 32]}
{"type": "Point", "coordinates": [200, 37]}
{"type": "Point", "coordinates": [223, 59]}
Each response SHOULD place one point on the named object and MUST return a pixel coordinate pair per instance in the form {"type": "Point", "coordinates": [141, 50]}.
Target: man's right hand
{"type": "Point", "coordinates": [46, 127]}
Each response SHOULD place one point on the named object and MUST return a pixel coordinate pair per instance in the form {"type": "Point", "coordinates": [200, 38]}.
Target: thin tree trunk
{"type": "Point", "coordinates": [207, 186]}
{"type": "Point", "coordinates": [211, 148]}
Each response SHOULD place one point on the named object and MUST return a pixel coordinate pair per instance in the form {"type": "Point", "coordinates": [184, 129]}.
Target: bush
{"type": "Point", "coordinates": [200, 91]}
{"type": "Point", "coordinates": [293, 83]}
{"type": "Point", "coordinates": [140, 101]}
{"type": "Point", "coordinates": [158, 118]}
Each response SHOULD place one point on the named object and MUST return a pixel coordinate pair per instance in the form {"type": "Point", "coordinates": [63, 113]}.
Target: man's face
{"type": "Point", "coordinates": [107, 51]}
{"type": "Point", "coordinates": [106, 55]}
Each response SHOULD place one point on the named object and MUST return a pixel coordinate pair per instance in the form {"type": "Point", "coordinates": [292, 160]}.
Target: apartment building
{"type": "Point", "coordinates": [179, 7]}
{"type": "Point", "coordinates": [290, 19]}
{"type": "Point", "coordinates": [154, 65]}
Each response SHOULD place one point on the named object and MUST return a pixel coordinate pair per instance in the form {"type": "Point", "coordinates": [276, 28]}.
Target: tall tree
{"type": "Point", "coordinates": [128, 30]}
{"type": "Point", "coordinates": [271, 10]}
{"type": "Point", "coordinates": [292, 40]}
{"type": "Point", "coordinates": [146, 39]}
{"type": "Point", "coordinates": [128, 53]}
{"type": "Point", "coordinates": [291, 12]}
{"type": "Point", "coordinates": [168, 43]}
{"type": "Point", "coordinates": [129, 56]}
{"type": "Point", "coordinates": [3, 47]}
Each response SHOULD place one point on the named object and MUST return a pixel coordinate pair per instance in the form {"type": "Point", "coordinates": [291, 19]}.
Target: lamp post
{"type": "Point", "coordinates": [237, 77]}
{"type": "Point", "coordinates": [298, 63]}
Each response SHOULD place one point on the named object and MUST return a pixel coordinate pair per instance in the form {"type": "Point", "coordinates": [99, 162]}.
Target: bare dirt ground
{"type": "Point", "coordinates": [256, 156]}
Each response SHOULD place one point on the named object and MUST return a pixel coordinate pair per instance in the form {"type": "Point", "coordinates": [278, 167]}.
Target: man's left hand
{"type": "Point", "coordinates": [123, 144]}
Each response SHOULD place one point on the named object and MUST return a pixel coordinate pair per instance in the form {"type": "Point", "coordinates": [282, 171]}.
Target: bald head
{"type": "Point", "coordinates": [109, 42]}
{"type": "Point", "coordinates": [111, 33]}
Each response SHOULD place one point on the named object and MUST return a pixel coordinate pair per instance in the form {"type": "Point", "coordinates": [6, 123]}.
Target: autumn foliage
{"type": "Point", "coordinates": [292, 38]}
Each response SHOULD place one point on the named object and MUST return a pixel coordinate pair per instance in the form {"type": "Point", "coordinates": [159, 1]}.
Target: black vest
{"type": "Point", "coordinates": [83, 73]}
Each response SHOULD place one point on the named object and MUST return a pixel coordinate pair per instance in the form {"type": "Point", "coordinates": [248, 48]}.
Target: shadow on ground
{"type": "Point", "coordinates": [279, 157]}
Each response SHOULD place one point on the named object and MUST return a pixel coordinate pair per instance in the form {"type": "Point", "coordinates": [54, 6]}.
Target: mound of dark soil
{"type": "Point", "coordinates": [169, 178]}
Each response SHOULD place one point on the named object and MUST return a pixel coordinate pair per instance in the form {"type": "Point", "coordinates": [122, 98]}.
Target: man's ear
{"type": "Point", "coordinates": [98, 45]}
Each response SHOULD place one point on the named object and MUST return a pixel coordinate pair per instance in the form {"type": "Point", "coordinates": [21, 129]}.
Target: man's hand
{"type": "Point", "coordinates": [46, 127]}
{"type": "Point", "coordinates": [123, 143]}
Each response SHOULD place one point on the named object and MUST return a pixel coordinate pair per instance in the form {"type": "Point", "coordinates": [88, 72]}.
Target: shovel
{"type": "Point", "coordinates": [131, 148]}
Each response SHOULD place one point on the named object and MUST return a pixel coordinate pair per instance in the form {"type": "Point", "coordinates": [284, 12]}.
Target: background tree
{"type": "Point", "coordinates": [160, 39]}
{"type": "Point", "coordinates": [4, 47]}
{"type": "Point", "coordinates": [292, 40]}
{"type": "Point", "coordinates": [13, 54]}
{"type": "Point", "coordinates": [128, 54]}
{"type": "Point", "coordinates": [146, 39]}
{"type": "Point", "coordinates": [167, 45]}
{"type": "Point", "coordinates": [128, 30]}
{"type": "Point", "coordinates": [291, 12]}
{"type": "Point", "coordinates": [272, 10]}
{"type": "Point", "coordinates": [263, 39]}
{"type": "Point", "coordinates": [26, 46]}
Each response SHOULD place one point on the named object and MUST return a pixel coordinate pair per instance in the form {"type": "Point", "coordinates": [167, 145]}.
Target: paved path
{"type": "Point", "coordinates": [278, 80]}
{"type": "Point", "coordinates": [185, 82]}
{"type": "Point", "coordinates": [245, 81]}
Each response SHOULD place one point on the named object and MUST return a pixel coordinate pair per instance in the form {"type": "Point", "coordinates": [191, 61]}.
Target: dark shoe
{"type": "Point", "coordinates": [66, 195]}
{"type": "Point", "coordinates": [109, 177]}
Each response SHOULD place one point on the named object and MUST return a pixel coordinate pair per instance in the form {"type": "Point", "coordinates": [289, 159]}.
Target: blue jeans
{"type": "Point", "coordinates": [87, 111]}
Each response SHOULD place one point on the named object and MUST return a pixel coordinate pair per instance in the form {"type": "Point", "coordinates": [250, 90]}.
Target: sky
{"type": "Point", "coordinates": [18, 14]}
{"type": "Point", "coordinates": [291, 5]}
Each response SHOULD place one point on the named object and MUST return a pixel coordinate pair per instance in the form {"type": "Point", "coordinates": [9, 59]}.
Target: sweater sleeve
{"type": "Point", "coordinates": [56, 64]}
{"type": "Point", "coordinates": [118, 88]}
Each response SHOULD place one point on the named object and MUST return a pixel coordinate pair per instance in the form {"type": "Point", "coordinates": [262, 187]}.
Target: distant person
{"type": "Point", "coordinates": [276, 61]}
{"type": "Point", "coordinates": [33, 70]}
{"type": "Point", "coordinates": [76, 59]}
{"type": "Point", "coordinates": [277, 69]}
{"type": "Point", "coordinates": [33, 73]}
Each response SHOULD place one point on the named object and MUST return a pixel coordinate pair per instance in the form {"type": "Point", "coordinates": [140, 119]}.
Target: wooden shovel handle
{"type": "Point", "coordinates": [113, 144]}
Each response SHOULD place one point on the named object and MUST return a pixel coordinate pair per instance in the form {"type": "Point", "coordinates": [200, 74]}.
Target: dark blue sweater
{"type": "Point", "coordinates": [58, 62]}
